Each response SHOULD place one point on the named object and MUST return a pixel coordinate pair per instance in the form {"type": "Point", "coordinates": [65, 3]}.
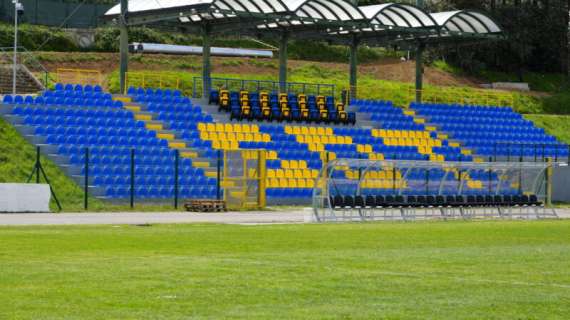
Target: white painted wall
{"type": "Point", "coordinates": [22, 197]}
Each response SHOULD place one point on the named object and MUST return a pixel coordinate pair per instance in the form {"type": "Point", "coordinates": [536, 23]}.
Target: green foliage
{"type": "Point", "coordinates": [32, 36]}
{"type": "Point", "coordinates": [558, 126]}
{"type": "Point", "coordinates": [420, 270]}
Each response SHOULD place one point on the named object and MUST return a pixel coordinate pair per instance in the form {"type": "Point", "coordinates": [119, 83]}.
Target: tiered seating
{"type": "Point", "coordinates": [75, 118]}
{"type": "Point", "coordinates": [281, 107]}
{"type": "Point", "coordinates": [492, 131]}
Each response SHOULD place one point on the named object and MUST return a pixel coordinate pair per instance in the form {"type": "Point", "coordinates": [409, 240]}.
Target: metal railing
{"type": "Point", "coordinates": [151, 80]}
{"type": "Point", "coordinates": [262, 85]}
{"type": "Point", "coordinates": [29, 61]}
{"type": "Point", "coordinates": [530, 152]}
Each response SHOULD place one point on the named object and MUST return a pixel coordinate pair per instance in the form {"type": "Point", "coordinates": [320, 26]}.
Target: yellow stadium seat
{"type": "Point", "coordinates": [283, 183]}
{"type": "Point", "coordinates": [201, 126]}
{"type": "Point", "coordinates": [293, 164]}
{"type": "Point", "coordinates": [296, 130]}
{"type": "Point", "coordinates": [328, 131]}
{"type": "Point", "coordinates": [288, 130]}
{"type": "Point", "coordinates": [204, 135]}
{"type": "Point", "coordinates": [321, 131]}
{"type": "Point", "coordinates": [270, 173]}
{"type": "Point", "coordinates": [228, 127]}
{"type": "Point", "coordinates": [313, 131]}
{"type": "Point", "coordinates": [254, 128]}
{"type": "Point", "coordinates": [280, 173]}
{"type": "Point", "coordinates": [216, 144]}
{"type": "Point", "coordinates": [292, 183]}
{"type": "Point", "coordinates": [302, 164]}
{"type": "Point", "coordinates": [298, 173]}
{"type": "Point", "coordinates": [219, 127]}
{"type": "Point", "coordinates": [289, 173]}
{"type": "Point", "coordinates": [240, 136]}
{"type": "Point", "coordinates": [211, 127]}
{"type": "Point", "coordinates": [301, 183]}
{"type": "Point", "coordinates": [285, 164]}
{"type": "Point", "coordinates": [304, 130]}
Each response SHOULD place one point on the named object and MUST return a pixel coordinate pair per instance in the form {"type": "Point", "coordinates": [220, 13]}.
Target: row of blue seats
{"type": "Point", "coordinates": [161, 192]}
{"type": "Point", "coordinates": [140, 170]}
{"type": "Point", "coordinates": [366, 102]}
{"type": "Point", "coordinates": [468, 127]}
{"type": "Point", "coordinates": [385, 109]}
{"type": "Point", "coordinates": [77, 121]}
{"type": "Point", "coordinates": [153, 92]}
{"type": "Point", "coordinates": [469, 113]}
{"type": "Point", "coordinates": [78, 87]}
{"type": "Point", "coordinates": [76, 94]}
{"type": "Point", "coordinates": [404, 125]}
{"type": "Point", "coordinates": [185, 117]}
{"type": "Point", "coordinates": [94, 131]}
{"type": "Point", "coordinates": [160, 99]}
{"type": "Point", "coordinates": [173, 107]}
{"type": "Point", "coordinates": [162, 180]}
{"type": "Point", "coordinates": [106, 140]}
{"type": "Point", "coordinates": [64, 102]}
{"type": "Point", "coordinates": [460, 107]}
{"type": "Point", "coordinates": [71, 112]}
{"type": "Point", "coordinates": [288, 193]}
{"type": "Point", "coordinates": [480, 120]}
{"type": "Point", "coordinates": [141, 159]}
{"type": "Point", "coordinates": [506, 137]}
{"type": "Point", "coordinates": [116, 150]}
{"type": "Point", "coordinates": [537, 152]}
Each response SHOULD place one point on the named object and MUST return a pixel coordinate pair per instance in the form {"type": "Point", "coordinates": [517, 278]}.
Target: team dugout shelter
{"type": "Point", "coordinates": [339, 22]}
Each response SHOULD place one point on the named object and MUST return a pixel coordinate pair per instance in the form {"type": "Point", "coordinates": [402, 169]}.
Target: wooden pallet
{"type": "Point", "coordinates": [205, 205]}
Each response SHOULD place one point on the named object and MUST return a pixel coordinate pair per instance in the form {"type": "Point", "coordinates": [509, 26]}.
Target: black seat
{"type": "Point", "coordinates": [440, 201]}
{"type": "Point", "coordinates": [380, 201]}
{"type": "Point", "coordinates": [489, 201]}
{"type": "Point", "coordinates": [338, 202]}
{"type": "Point", "coordinates": [480, 200]}
{"type": "Point", "coordinates": [389, 200]}
{"type": "Point", "coordinates": [348, 202]}
{"type": "Point", "coordinates": [533, 200]}
{"type": "Point", "coordinates": [508, 200]}
{"type": "Point", "coordinates": [399, 201]}
{"type": "Point", "coordinates": [450, 200]}
{"type": "Point", "coordinates": [412, 201]}
{"type": "Point", "coordinates": [459, 201]}
{"type": "Point", "coordinates": [359, 202]}
{"type": "Point", "coordinates": [421, 201]}
{"type": "Point", "coordinates": [498, 200]}
{"type": "Point", "coordinates": [471, 200]}
{"type": "Point", "coordinates": [525, 200]}
{"type": "Point", "coordinates": [370, 201]}
{"type": "Point", "coordinates": [516, 200]}
{"type": "Point", "coordinates": [430, 200]}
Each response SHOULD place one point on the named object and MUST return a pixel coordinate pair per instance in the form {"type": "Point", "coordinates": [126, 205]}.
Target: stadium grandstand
{"type": "Point", "coordinates": [279, 144]}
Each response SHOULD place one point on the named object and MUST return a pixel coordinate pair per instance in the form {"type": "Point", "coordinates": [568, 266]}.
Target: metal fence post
{"type": "Point", "coordinates": [490, 177]}
{"type": "Point", "coordinates": [132, 178]}
{"type": "Point", "coordinates": [86, 182]}
{"type": "Point", "coordinates": [427, 182]}
{"type": "Point", "coordinates": [219, 175]}
{"type": "Point", "coordinates": [38, 165]}
{"type": "Point", "coordinates": [176, 174]}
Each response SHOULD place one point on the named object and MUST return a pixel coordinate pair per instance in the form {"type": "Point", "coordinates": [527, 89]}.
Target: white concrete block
{"type": "Point", "coordinates": [24, 197]}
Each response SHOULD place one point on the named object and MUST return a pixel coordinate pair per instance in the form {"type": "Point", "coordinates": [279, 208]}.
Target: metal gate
{"type": "Point", "coordinates": [243, 181]}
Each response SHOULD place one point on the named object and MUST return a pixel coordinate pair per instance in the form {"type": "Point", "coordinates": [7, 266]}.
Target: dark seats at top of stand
{"type": "Point", "coordinates": [244, 105]}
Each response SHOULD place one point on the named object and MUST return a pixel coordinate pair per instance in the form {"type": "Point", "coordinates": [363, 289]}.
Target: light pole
{"type": "Point", "coordinates": [18, 9]}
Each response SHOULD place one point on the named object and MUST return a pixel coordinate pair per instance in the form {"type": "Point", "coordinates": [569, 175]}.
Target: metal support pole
{"type": "Point", "coordinates": [283, 62]}
{"type": "Point", "coordinates": [15, 58]}
{"type": "Point", "coordinates": [123, 45]}
{"type": "Point", "coordinates": [520, 174]}
{"type": "Point", "coordinates": [37, 165]}
{"type": "Point", "coordinates": [427, 182]}
{"type": "Point", "coordinates": [419, 71]}
{"type": "Point", "coordinates": [219, 175]}
{"type": "Point", "coordinates": [490, 178]}
{"type": "Point", "coordinates": [353, 67]}
{"type": "Point", "coordinates": [132, 178]}
{"type": "Point", "coordinates": [206, 68]}
{"type": "Point", "coordinates": [176, 174]}
{"type": "Point", "coordinates": [86, 182]}
{"type": "Point", "coordinates": [548, 183]}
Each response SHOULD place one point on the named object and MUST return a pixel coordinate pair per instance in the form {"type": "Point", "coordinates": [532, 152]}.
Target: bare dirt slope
{"type": "Point", "coordinates": [388, 69]}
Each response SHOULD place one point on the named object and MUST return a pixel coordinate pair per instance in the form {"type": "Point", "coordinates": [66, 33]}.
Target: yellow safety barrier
{"type": "Point", "coordinates": [79, 76]}
{"type": "Point", "coordinates": [151, 80]}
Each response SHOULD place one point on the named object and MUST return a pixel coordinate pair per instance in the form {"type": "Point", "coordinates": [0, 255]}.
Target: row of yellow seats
{"type": "Point", "coordinates": [383, 184]}
{"type": "Point", "coordinates": [364, 148]}
{"type": "Point", "coordinates": [228, 127]}
{"type": "Point", "coordinates": [290, 183]}
{"type": "Point", "coordinates": [475, 184]}
{"type": "Point", "coordinates": [412, 142]}
{"type": "Point", "coordinates": [233, 136]}
{"type": "Point", "coordinates": [436, 157]}
{"type": "Point", "coordinates": [314, 131]}
{"type": "Point", "coordinates": [384, 174]}
{"type": "Point", "coordinates": [324, 139]}
{"type": "Point", "coordinates": [225, 145]}
{"type": "Point", "coordinates": [292, 173]}
{"type": "Point", "coordinates": [375, 156]}
{"type": "Point", "coordinates": [390, 133]}
{"type": "Point", "coordinates": [293, 164]}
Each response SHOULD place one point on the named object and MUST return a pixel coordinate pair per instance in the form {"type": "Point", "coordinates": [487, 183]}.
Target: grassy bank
{"type": "Point", "coordinates": [436, 270]}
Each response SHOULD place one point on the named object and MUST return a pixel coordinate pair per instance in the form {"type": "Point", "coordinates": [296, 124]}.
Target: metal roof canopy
{"type": "Point", "coordinates": [336, 21]}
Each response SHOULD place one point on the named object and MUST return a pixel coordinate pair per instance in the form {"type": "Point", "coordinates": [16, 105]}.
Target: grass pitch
{"type": "Point", "coordinates": [428, 270]}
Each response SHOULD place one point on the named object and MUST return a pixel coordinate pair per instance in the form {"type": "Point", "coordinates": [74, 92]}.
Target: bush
{"type": "Point", "coordinates": [32, 36]}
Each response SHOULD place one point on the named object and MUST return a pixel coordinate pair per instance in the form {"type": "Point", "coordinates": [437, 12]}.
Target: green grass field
{"type": "Point", "coordinates": [436, 270]}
